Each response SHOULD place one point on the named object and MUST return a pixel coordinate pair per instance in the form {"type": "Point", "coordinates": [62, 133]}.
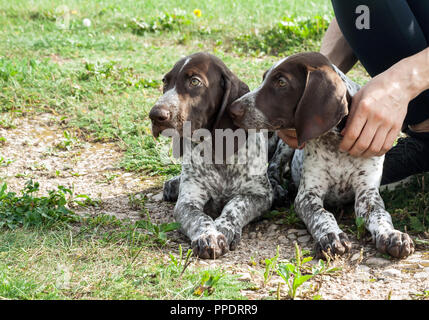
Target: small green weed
{"type": "Point", "coordinates": [422, 296]}
{"type": "Point", "coordinates": [360, 225]}
{"type": "Point", "coordinates": [158, 231]}
{"type": "Point", "coordinates": [163, 22]}
{"type": "Point", "coordinates": [29, 210]}
{"type": "Point", "coordinates": [295, 274]}
{"type": "Point", "coordinates": [285, 216]}
{"type": "Point", "coordinates": [183, 262]}
{"type": "Point", "coordinates": [137, 202]}
{"type": "Point", "coordinates": [102, 220]}
{"type": "Point", "coordinates": [108, 178]}
{"type": "Point", "coordinates": [270, 266]}
{"type": "Point", "coordinates": [119, 76]}
{"type": "Point", "coordinates": [6, 122]}
{"type": "Point", "coordinates": [69, 142]}
{"type": "Point", "coordinates": [208, 281]}
{"type": "Point", "coordinates": [4, 162]}
{"type": "Point", "coordinates": [290, 32]}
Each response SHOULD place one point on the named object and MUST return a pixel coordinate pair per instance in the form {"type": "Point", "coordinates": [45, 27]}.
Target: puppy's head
{"type": "Point", "coordinates": [301, 92]}
{"type": "Point", "coordinates": [198, 89]}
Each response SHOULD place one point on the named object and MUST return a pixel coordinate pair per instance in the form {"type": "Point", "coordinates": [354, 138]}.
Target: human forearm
{"type": "Point", "coordinates": [411, 75]}
{"type": "Point", "coordinates": [336, 48]}
{"type": "Point", "coordinates": [379, 108]}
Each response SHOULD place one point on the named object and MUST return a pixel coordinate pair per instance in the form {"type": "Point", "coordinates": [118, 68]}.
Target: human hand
{"type": "Point", "coordinates": [289, 137]}
{"type": "Point", "coordinates": [376, 116]}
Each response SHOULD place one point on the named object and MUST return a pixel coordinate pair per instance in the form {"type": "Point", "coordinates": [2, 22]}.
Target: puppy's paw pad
{"type": "Point", "coordinates": [395, 243]}
{"type": "Point", "coordinates": [333, 244]}
{"type": "Point", "coordinates": [210, 245]}
{"type": "Point", "coordinates": [232, 234]}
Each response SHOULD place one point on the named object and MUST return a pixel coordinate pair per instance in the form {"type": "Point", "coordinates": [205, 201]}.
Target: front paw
{"type": "Point", "coordinates": [333, 244]}
{"type": "Point", "coordinates": [210, 245]}
{"type": "Point", "coordinates": [395, 243]}
{"type": "Point", "coordinates": [232, 234]}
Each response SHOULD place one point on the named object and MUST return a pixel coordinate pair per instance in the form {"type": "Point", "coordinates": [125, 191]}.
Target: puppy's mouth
{"type": "Point", "coordinates": [157, 128]}
{"type": "Point", "coordinates": [174, 129]}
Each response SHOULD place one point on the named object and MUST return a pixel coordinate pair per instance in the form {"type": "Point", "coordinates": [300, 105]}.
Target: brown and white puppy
{"type": "Point", "coordinates": [214, 201]}
{"type": "Point", "coordinates": [197, 89]}
{"type": "Point", "coordinates": [307, 93]}
{"type": "Point", "coordinates": [287, 98]}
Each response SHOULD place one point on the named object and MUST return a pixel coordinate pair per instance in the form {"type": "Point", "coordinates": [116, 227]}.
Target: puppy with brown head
{"type": "Point", "coordinates": [301, 92]}
{"type": "Point", "coordinates": [307, 93]}
{"type": "Point", "coordinates": [214, 201]}
{"type": "Point", "coordinates": [197, 89]}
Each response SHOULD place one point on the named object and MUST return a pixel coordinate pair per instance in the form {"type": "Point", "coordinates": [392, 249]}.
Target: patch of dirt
{"type": "Point", "coordinates": [37, 149]}
{"type": "Point", "coordinates": [92, 169]}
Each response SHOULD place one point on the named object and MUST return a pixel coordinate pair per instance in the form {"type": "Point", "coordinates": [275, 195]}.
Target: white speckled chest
{"type": "Point", "coordinates": [222, 181]}
{"type": "Point", "coordinates": [325, 166]}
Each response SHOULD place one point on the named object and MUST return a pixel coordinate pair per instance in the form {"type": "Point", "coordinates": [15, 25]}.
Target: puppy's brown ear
{"type": "Point", "coordinates": [234, 88]}
{"type": "Point", "coordinates": [322, 105]}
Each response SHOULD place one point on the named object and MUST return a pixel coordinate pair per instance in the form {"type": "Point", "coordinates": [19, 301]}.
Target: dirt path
{"type": "Point", "coordinates": [92, 168]}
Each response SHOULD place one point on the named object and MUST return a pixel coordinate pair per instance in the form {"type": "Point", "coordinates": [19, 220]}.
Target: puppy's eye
{"type": "Point", "coordinates": [164, 84]}
{"type": "Point", "coordinates": [281, 82]}
{"type": "Point", "coordinates": [195, 82]}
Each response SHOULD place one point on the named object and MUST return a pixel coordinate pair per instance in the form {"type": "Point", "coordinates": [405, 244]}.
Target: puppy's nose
{"type": "Point", "coordinates": [236, 111]}
{"type": "Point", "coordinates": [159, 114]}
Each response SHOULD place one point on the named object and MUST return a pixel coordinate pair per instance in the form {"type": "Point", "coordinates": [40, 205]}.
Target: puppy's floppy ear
{"type": "Point", "coordinates": [233, 88]}
{"type": "Point", "coordinates": [322, 105]}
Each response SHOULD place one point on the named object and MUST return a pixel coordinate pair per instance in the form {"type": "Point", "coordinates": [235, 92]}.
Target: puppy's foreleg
{"type": "Point", "coordinates": [237, 213]}
{"type": "Point", "coordinates": [320, 222]}
{"type": "Point", "coordinates": [370, 206]}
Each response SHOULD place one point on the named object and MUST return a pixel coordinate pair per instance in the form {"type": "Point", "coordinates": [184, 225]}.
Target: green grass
{"type": "Point", "coordinates": [49, 252]}
{"type": "Point", "coordinates": [70, 263]}
{"type": "Point", "coordinates": [108, 76]}
{"type": "Point", "coordinates": [29, 210]}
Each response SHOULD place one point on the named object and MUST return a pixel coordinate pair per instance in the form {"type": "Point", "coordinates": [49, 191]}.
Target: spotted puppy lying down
{"type": "Point", "coordinates": [307, 93]}
{"type": "Point", "coordinates": [214, 201]}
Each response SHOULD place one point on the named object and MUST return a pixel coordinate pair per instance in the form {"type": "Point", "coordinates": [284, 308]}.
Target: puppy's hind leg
{"type": "Point", "coordinates": [276, 169]}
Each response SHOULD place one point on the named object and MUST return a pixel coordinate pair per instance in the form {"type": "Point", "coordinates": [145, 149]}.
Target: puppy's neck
{"type": "Point", "coordinates": [340, 126]}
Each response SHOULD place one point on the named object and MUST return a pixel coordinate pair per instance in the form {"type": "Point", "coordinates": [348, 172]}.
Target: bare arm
{"type": "Point", "coordinates": [378, 110]}
{"type": "Point", "coordinates": [336, 48]}
{"type": "Point", "coordinates": [413, 73]}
